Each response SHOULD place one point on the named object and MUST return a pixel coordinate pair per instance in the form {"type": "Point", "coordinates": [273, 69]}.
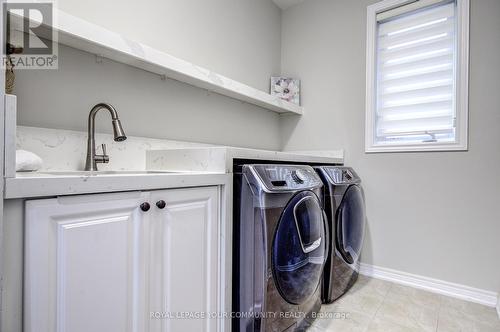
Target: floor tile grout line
{"type": "Point", "coordinates": [439, 311]}
{"type": "Point", "coordinates": [372, 318]}
{"type": "Point", "coordinates": [384, 297]}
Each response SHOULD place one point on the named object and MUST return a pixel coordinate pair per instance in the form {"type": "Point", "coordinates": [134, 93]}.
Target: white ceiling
{"type": "Point", "coordinates": [284, 4]}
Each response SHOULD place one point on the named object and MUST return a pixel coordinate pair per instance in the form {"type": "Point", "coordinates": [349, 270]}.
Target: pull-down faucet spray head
{"type": "Point", "coordinates": [118, 131]}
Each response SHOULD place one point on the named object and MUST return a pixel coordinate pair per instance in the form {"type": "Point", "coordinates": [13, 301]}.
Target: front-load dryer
{"type": "Point", "coordinates": [345, 207]}
{"type": "Point", "coordinates": [279, 247]}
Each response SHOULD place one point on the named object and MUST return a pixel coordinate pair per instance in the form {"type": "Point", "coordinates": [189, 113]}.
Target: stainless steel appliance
{"type": "Point", "coordinates": [345, 207]}
{"type": "Point", "coordinates": [279, 247]}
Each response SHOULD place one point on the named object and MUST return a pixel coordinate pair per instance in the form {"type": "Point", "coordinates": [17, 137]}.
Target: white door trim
{"type": "Point", "coordinates": [458, 291]}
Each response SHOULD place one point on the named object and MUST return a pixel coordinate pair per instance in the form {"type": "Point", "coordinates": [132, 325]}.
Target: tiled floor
{"type": "Point", "coordinates": [374, 305]}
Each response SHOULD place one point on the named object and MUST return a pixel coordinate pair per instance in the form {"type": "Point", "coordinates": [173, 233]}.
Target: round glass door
{"type": "Point", "coordinates": [350, 225]}
{"type": "Point", "coordinates": [298, 252]}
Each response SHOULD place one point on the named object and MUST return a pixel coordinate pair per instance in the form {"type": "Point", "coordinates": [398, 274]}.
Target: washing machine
{"type": "Point", "coordinates": [345, 208]}
{"type": "Point", "coordinates": [279, 247]}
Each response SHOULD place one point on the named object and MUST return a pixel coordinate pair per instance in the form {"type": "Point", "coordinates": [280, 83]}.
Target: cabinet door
{"type": "Point", "coordinates": [85, 262]}
{"type": "Point", "coordinates": [184, 260]}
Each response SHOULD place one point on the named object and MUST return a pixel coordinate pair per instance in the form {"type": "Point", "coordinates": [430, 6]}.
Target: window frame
{"type": "Point", "coordinates": [462, 83]}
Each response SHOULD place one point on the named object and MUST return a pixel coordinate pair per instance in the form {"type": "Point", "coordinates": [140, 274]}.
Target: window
{"type": "Point", "coordinates": [417, 75]}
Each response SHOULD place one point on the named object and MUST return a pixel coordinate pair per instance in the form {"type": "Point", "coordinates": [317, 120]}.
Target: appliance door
{"type": "Point", "coordinates": [299, 248]}
{"type": "Point", "coordinates": [350, 224]}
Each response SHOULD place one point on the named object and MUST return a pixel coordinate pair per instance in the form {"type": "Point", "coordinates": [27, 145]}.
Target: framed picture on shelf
{"type": "Point", "coordinates": [286, 88]}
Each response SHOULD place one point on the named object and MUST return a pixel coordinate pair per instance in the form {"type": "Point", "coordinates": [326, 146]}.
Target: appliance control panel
{"type": "Point", "coordinates": [342, 175]}
{"type": "Point", "coordinates": [286, 177]}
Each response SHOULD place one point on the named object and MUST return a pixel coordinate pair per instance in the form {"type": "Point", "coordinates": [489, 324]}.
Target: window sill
{"type": "Point", "coordinates": [416, 148]}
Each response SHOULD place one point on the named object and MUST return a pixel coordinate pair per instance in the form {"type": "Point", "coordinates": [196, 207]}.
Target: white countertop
{"type": "Point", "coordinates": [169, 168]}
{"type": "Point", "coordinates": [220, 159]}
{"type": "Point", "coordinates": [64, 183]}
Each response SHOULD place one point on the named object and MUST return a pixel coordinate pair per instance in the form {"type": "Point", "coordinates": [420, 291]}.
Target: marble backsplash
{"type": "Point", "coordinates": [65, 150]}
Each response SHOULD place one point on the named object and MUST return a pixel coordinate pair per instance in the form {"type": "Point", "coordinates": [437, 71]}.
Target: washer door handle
{"type": "Point", "coordinates": [341, 247]}
{"type": "Point", "coordinates": [327, 234]}
{"type": "Point", "coordinates": [315, 245]}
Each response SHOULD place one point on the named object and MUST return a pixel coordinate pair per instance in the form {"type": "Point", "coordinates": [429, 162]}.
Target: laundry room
{"type": "Point", "coordinates": [250, 165]}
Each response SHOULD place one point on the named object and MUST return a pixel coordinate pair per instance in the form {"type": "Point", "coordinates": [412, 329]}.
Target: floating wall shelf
{"type": "Point", "coordinates": [86, 36]}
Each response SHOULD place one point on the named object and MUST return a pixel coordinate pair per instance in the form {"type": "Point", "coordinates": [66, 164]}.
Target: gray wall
{"type": "Point", "coordinates": [239, 39]}
{"type": "Point", "coordinates": [236, 38]}
{"type": "Point", "coordinates": [431, 214]}
{"type": "Point", "coordinates": [147, 106]}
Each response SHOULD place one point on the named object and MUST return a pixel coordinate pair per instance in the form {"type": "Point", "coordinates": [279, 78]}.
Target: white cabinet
{"type": "Point", "coordinates": [101, 263]}
{"type": "Point", "coordinates": [184, 259]}
{"type": "Point", "coordinates": [84, 264]}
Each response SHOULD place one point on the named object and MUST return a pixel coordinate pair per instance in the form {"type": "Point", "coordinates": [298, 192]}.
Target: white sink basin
{"type": "Point", "coordinates": [90, 173]}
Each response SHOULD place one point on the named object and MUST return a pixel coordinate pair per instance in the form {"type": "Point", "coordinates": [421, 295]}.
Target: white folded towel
{"type": "Point", "coordinates": [27, 161]}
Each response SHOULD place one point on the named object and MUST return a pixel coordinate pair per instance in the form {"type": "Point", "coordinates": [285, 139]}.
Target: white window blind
{"type": "Point", "coordinates": [416, 76]}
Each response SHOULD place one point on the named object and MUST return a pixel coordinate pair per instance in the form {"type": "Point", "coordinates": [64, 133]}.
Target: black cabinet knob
{"type": "Point", "coordinates": [145, 206]}
{"type": "Point", "coordinates": [161, 204]}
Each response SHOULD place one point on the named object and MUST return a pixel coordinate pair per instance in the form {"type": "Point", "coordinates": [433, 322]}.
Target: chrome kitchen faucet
{"type": "Point", "coordinates": [119, 136]}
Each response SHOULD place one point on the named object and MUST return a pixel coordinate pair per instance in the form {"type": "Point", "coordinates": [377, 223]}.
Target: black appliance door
{"type": "Point", "coordinates": [350, 226]}
{"type": "Point", "coordinates": [299, 248]}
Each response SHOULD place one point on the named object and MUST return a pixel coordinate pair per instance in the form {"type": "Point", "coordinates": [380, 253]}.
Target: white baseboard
{"type": "Point", "coordinates": [458, 291]}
